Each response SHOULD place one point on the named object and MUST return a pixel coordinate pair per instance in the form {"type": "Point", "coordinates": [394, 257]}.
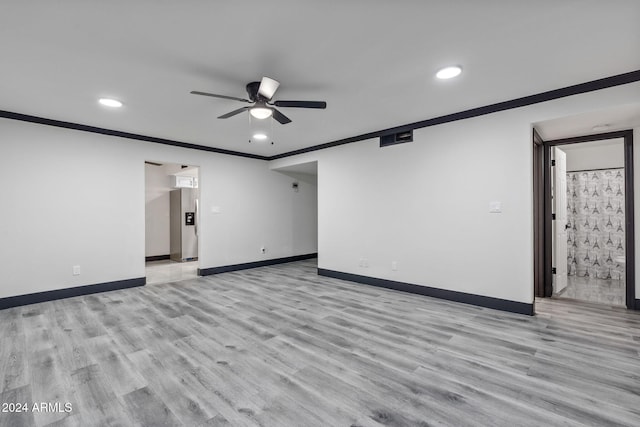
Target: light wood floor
{"type": "Point", "coordinates": [280, 346]}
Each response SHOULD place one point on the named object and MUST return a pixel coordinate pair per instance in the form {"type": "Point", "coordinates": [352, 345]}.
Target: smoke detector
{"type": "Point", "coordinates": [600, 128]}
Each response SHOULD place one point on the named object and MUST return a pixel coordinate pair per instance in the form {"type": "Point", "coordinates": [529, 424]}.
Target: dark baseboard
{"type": "Point", "coordinates": [479, 300]}
{"type": "Point", "coordinates": [245, 266]}
{"type": "Point", "coordinates": [27, 299]}
{"type": "Point", "coordinates": [637, 305]}
{"type": "Point", "coordinates": [157, 258]}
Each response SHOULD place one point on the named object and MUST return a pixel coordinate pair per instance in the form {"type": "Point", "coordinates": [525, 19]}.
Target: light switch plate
{"type": "Point", "coordinates": [495, 207]}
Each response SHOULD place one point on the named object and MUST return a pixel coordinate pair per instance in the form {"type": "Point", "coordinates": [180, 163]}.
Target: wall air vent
{"type": "Point", "coordinates": [396, 138]}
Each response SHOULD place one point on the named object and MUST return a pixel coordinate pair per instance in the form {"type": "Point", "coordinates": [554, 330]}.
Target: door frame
{"type": "Point", "coordinates": [542, 210]}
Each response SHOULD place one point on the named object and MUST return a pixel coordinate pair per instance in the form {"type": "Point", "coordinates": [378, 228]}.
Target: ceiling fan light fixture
{"type": "Point", "coordinates": [110, 102]}
{"type": "Point", "coordinates": [449, 72]}
{"type": "Point", "coordinates": [261, 112]}
{"type": "Point", "coordinates": [268, 87]}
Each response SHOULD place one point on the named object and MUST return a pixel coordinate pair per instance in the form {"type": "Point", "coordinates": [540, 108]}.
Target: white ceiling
{"type": "Point", "coordinates": [309, 168]}
{"type": "Point", "coordinates": [307, 172]}
{"type": "Point", "coordinates": [613, 119]}
{"type": "Point", "coordinates": [372, 61]}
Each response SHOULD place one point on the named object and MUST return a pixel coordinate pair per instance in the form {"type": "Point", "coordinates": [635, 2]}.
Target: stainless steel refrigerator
{"type": "Point", "coordinates": [183, 224]}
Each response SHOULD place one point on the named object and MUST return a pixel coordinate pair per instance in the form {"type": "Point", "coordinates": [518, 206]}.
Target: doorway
{"type": "Point", "coordinates": [171, 222]}
{"type": "Point", "coordinates": [304, 206]}
{"type": "Point", "coordinates": [583, 218]}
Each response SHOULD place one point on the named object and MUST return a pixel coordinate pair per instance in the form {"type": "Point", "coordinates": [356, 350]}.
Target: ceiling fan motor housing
{"type": "Point", "coordinates": [252, 91]}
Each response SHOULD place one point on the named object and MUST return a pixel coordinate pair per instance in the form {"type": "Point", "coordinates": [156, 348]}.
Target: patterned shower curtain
{"type": "Point", "coordinates": [595, 212]}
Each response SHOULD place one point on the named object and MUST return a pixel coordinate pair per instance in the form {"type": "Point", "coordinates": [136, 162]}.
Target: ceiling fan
{"type": "Point", "coordinates": [260, 95]}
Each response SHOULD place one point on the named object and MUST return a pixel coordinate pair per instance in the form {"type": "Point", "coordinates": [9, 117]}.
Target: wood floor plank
{"type": "Point", "coordinates": [217, 421]}
{"type": "Point", "coordinates": [228, 398]}
{"type": "Point", "coordinates": [13, 362]}
{"type": "Point", "coordinates": [166, 384]}
{"type": "Point", "coordinates": [97, 403]}
{"type": "Point", "coordinates": [118, 371]}
{"type": "Point", "coordinates": [552, 398]}
{"type": "Point", "coordinates": [397, 386]}
{"type": "Point", "coordinates": [148, 410]}
{"type": "Point", "coordinates": [50, 383]}
{"type": "Point", "coordinates": [17, 417]}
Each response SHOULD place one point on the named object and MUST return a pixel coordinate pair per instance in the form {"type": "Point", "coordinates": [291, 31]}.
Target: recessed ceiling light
{"type": "Point", "coordinates": [260, 136]}
{"type": "Point", "coordinates": [598, 128]}
{"type": "Point", "coordinates": [109, 102]}
{"type": "Point", "coordinates": [261, 112]}
{"type": "Point", "coordinates": [449, 72]}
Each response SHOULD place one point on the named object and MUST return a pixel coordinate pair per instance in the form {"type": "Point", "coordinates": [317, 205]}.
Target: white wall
{"type": "Point", "coordinates": [595, 155]}
{"type": "Point", "coordinates": [76, 198]}
{"type": "Point", "coordinates": [425, 204]}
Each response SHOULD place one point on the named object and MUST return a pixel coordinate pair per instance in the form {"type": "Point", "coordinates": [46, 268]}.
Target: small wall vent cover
{"type": "Point", "coordinates": [396, 138]}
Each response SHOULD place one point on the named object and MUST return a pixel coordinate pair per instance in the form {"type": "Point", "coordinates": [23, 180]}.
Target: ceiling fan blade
{"type": "Point", "coordinates": [281, 117]}
{"type": "Point", "coordinates": [268, 87]}
{"type": "Point", "coordinates": [195, 92]}
{"type": "Point", "coordinates": [301, 104]}
{"type": "Point", "coordinates": [233, 113]}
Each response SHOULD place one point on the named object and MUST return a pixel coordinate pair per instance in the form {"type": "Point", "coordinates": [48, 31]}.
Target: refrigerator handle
{"type": "Point", "coordinates": [196, 218]}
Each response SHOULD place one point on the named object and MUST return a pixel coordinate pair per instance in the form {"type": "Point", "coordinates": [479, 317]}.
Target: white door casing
{"type": "Point", "coordinates": [559, 193]}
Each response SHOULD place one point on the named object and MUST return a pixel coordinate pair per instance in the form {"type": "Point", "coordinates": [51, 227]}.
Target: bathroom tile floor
{"type": "Point", "coordinates": [170, 271]}
{"type": "Point", "coordinates": [604, 291]}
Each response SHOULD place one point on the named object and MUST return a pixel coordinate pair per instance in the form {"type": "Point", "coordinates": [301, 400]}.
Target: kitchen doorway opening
{"type": "Point", "coordinates": [171, 222]}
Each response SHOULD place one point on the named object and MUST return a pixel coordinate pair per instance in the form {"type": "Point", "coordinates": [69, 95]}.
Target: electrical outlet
{"type": "Point", "coordinates": [394, 265]}
{"type": "Point", "coordinates": [365, 263]}
{"type": "Point", "coordinates": [76, 270]}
